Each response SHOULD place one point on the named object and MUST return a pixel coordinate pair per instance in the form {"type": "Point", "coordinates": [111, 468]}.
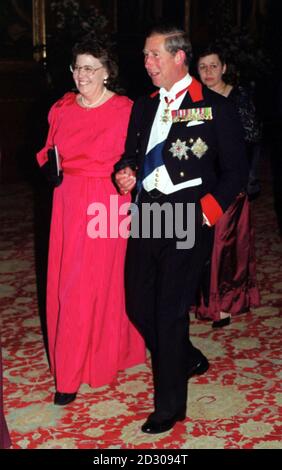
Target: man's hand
{"type": "Point", "coordinates": [125, 179]}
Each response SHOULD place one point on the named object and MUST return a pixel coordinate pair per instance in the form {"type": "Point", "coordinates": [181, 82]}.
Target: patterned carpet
{"type": "Point", "coordinates": [235, 405]}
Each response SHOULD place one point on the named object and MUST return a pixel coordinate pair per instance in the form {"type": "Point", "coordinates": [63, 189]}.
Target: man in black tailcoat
{"type": "Point", "coordinates": [185, 157]}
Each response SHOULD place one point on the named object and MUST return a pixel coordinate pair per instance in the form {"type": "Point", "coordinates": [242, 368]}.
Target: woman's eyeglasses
{"type": "Point", "coordinates": [87, 69]}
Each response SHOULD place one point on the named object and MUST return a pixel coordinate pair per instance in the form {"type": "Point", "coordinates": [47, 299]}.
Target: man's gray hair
{"type": "Point", "coordinates": [176, 39]}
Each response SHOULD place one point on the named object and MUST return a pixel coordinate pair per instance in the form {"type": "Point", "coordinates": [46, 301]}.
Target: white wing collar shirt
{"type": "Point", "coordinates": [159, 178]}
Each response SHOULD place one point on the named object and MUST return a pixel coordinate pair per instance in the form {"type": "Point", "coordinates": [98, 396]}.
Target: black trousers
{"type": "Point", "coordinates": [161, 282]}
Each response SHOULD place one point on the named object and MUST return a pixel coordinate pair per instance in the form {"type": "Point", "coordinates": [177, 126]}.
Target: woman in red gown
{"type": "Point", "coordinates": [90, 337]}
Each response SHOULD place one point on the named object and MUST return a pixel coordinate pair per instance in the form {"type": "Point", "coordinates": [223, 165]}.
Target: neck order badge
{"type": "Point", "coordinates": [166, 114]}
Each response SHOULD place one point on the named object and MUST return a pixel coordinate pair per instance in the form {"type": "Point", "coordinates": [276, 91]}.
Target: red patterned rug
{"type": "Point", "coordinates": [236, 405]}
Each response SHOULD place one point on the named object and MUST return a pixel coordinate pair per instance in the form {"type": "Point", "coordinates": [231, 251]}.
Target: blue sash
{"type": "Point", "coordinates": [152, 160]}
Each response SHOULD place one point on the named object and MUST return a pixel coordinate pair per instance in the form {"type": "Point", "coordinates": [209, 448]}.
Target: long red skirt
{"type": "Point", "coordinates": [230, 280]}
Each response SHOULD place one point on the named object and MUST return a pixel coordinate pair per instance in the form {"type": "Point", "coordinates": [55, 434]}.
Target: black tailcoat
{"type": "Point", "coordinates": [223, 168]}
{"type": "Point", "coordinates": [161, 280]}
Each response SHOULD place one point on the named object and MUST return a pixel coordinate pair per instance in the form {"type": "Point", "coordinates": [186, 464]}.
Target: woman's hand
{"type": "Point", "coordinates": [125, 179]}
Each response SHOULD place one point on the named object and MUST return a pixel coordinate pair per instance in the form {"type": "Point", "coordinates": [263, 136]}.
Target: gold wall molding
{"type": "Point", "coordinates": [39, 30]}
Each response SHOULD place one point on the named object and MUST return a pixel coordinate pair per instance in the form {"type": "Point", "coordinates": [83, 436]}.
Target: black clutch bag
{"type": "Point", "coordinates": [52, 168]}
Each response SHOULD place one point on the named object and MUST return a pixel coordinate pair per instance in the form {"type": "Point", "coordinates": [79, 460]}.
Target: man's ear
{"type": "Point", "coordinates": [180, 57]}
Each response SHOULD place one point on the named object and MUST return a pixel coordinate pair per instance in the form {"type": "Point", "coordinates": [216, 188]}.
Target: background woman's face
{"type": "Point", "coordinates": [211, 69]}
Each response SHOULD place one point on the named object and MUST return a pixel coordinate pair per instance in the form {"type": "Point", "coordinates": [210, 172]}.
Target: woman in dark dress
{"type": "Point", "coordinates": [4, 433]}
{"type": "Point", "coordinates": [229, 281]}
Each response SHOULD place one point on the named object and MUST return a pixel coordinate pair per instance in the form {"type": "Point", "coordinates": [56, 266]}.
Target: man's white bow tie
{"type": "Point", "coordinates": [166, 95]}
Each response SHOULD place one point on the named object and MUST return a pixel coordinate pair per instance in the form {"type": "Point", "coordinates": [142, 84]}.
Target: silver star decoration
{"type": "Point", "coordinates": [199, 148]}
{"type": "Point", "coordinates": [179, 149]}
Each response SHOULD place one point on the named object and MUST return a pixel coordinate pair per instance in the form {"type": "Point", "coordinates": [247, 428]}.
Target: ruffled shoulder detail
{"type": "Point", "coordinates": [66, 100]}
{"type": "Point", "coordinates": [122, 102]}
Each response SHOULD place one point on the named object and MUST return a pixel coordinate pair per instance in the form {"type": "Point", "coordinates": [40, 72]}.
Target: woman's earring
{"type": "Point", "coordinates": [105, 81]}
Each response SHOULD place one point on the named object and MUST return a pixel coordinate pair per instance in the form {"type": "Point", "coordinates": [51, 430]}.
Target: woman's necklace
{"type": "Point", "coordinates": [92, 105]}
{"type": "Point", "coordinates": [222, 89]}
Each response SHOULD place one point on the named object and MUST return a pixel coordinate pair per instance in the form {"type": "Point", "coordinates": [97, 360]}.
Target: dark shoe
{"type": "Point", "coordinates": [199, 368]}
{"type": "Point", "coordinates": [253, 196]}
{"type": "Point", "coordinates": [64, 398]}
{"type": "Point", "coordinates": [151, 426]}
{"type": "Point", "coordinates": [221, 323]}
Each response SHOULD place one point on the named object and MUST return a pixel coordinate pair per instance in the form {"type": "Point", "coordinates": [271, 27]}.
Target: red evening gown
{"type": "Point", "coordinates": [230, 283]}
{"type": "Point", "coordinates": [90, 337]}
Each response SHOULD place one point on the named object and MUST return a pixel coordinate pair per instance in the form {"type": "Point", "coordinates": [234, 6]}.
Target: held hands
{"type": "Point", "coordinates": [125, 179]}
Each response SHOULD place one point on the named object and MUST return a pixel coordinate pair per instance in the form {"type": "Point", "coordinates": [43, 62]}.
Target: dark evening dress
{"type": "Point", "coordinates": [229, 283]}
{"type": "Point", "coordinates": [229, 280]}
